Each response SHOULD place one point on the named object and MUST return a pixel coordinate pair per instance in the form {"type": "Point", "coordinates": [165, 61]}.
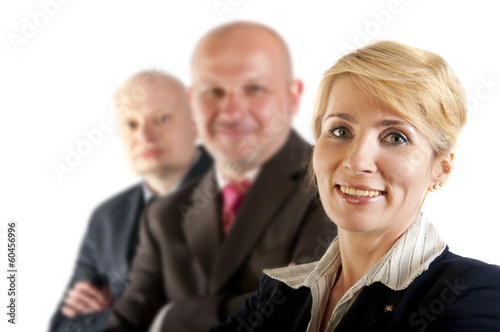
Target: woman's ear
{"type": "Point", "coordinates": [441, 172]}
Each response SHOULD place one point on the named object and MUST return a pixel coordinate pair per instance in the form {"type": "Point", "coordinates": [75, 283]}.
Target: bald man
{"type": "Point", "coordinates": [199, 256]}
{"type": "Point", "coordinates": [156, 130]}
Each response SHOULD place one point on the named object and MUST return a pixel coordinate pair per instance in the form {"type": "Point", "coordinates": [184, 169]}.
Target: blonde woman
{"type": "Point", "coordinates": [386, 121]}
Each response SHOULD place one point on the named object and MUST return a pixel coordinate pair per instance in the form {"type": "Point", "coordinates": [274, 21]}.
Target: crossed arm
{"type": "Point", "coordinates": [85, 298]}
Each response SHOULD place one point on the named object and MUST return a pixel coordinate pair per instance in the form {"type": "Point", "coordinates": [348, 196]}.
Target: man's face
{"type": "Point", "coordinates": [155, 127]}
{"type": "Point", "coordinates": [242, 102]}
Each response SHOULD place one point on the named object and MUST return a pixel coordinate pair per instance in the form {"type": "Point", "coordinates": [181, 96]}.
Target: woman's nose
{"type": "Point", "coordinates": [360, 156]}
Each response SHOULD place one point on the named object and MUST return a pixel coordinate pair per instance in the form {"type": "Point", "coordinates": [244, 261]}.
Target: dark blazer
{"type": "Point", "coordinates": [454, 294]}
{"type": "Point", "coordinates": [184, 262]}
{"type": "Point", "coordinates": [108, 248]}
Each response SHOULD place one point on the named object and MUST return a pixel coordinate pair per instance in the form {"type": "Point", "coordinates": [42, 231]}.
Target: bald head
{"type": "Point", "coordinates": [237, 39]}
{"type": "Point", "coordinates": [148, 84]}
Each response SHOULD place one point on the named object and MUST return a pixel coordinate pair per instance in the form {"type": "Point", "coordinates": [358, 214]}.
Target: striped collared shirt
{"type": "Point", "coordinates": [407, 259]}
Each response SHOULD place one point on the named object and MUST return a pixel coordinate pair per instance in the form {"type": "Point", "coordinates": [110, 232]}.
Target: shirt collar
{"type": "Point", "coordinates": [409, 256]}
{"type": "Point", "coordinates": [250, 175]}
{"type": "Point", "coordinates": [407, 259]}
{"type": "Point", "coordinates": [148, 193]}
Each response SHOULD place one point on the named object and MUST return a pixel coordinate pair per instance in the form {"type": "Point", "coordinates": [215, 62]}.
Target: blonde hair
{"type": "Point", "coordinates": [419, 85]}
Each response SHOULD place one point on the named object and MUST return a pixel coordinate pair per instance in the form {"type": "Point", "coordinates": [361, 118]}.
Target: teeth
{"type": "Point", "coordinates": [359, 193]}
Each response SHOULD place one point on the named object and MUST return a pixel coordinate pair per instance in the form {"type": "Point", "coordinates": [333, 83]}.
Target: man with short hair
{"type": "Point", "coordinates": [202, 250]}
{"type": "Point", "coordinates": [156, 129]}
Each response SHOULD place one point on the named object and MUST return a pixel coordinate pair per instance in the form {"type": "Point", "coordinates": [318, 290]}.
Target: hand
{"type": "Point", "coordinates": [86, 298]}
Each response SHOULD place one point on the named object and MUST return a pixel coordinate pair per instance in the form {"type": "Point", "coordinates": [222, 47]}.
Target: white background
{"type": "Point", "coordinates": [59, 82]}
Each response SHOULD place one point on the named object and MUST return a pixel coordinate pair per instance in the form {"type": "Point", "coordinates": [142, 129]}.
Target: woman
{"type": "Point", "coordinates": [386, 120]}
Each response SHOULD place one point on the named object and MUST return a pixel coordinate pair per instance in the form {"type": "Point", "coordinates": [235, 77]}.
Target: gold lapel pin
{"type": "Point", "coordinates": [388, 308]}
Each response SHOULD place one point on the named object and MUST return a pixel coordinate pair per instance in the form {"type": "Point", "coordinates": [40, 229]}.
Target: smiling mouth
{"type": "Point", "coordinates": [360, 193]}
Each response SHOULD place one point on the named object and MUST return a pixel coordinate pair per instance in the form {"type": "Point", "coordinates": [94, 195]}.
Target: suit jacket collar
{"type": "Point", "coordinates": [201, 165]}
{"type": "Point", "coordinates": [292, 158]}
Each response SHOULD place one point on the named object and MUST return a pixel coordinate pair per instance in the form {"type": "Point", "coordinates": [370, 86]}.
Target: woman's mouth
{"type": "Point", "coordinates": [358, 192]}
{"type": "Point", "coordinates": [360, 195]}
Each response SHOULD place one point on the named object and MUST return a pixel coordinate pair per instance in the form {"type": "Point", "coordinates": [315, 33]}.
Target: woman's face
{"type": "Point", "coordinates": [373, 168]}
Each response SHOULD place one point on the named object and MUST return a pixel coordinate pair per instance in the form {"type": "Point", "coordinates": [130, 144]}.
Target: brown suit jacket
{"type": "Point", "coordinates": [184, 262]}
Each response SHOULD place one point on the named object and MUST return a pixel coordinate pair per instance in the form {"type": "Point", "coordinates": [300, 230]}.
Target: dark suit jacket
{"type": "Point", "coordinates": [109, 245]}
{"type": "Point", "coordinates": [454, 294]}
{"type": "Point", "coordinates": [184, 262]}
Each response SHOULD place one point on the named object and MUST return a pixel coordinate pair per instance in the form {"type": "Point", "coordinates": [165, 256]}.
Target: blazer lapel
{"type": "Point", "coordinates": [202, 229]}
{"type": "Point", "coordinates": [125, 232]}
{"type": "Point", "coordinates": [275, 183]}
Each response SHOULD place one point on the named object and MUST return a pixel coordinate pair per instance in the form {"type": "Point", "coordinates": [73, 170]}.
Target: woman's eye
{"type": "Point", "coordinates": [340, 132]}
{"type": "Point", "coordinates": [396, 139]}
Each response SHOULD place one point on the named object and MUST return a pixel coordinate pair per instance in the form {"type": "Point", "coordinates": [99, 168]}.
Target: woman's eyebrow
{"type": "Point", "coordinates": [382, 123]}
{"type": "Point", "coordinates": [394, 122]}
{"type": "Point", "coordinates": [343, 116]}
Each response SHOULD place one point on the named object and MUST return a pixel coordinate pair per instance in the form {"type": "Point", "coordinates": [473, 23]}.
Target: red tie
{"type": "Point", "coordinates": [232, 195]}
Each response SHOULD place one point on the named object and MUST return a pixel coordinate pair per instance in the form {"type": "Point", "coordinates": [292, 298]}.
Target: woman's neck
{"type": "Point", "coordinates": [360, 252]}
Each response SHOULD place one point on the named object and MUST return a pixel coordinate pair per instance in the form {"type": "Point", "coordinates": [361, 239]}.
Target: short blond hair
{"type": "Point", "coordinates": [419, 85]}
